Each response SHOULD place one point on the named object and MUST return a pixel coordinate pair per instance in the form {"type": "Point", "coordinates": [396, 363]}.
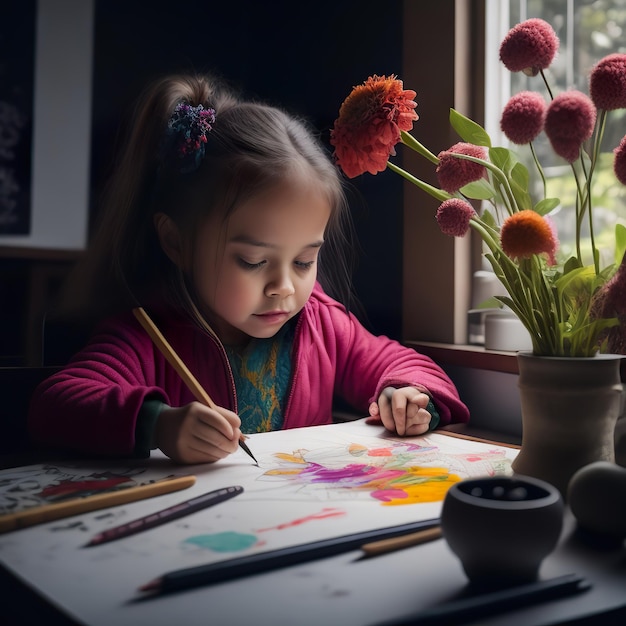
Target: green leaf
{"type": "Point", "coordinates": [543, 207]}
{"type": "Point", "coordinates": [571, 264]}
{"type": "Point", "coordinates": [520, 175]}
{"type": "Point", "coordinates": [503, 158]}
{"type": "Point", "coordinates": [620, 243]}
{"type": "Point", "coordinates": [489, 219]}
{"type": "Point", "coordinates": [490, 303]}
{"type": "Point", "coordinates": [469, 130]}
{"type": "Point", "coordinates": [578, 286]}
{"type": "Point", "coordinates": [519, 186]}
{"type": "Point", "coordinates": [479, 190]}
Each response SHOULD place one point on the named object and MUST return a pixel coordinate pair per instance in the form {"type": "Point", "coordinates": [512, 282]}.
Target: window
{"type": "Point", "coordinates": [588, 30]}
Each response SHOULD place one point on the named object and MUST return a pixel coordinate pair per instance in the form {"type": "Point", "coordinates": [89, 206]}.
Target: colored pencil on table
{"type": "Point", "coordinates": [183, 371]}
{"type": "Point", "coordinates": [486, 604]}
{"type": "Point", "coordinates": [166, 515]}
{"type": "Point", "coordinates": [384, 546]}
{"type": "Point", "coordinates": [76, 506]}
{"type": "Point", "coordinates": [261, 562]}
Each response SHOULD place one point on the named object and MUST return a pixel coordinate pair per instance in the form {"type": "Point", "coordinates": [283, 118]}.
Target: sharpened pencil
{"type": "Point", "coordinates": [166, 515]}
{"type": "Point", "coordinates": [183, 371]}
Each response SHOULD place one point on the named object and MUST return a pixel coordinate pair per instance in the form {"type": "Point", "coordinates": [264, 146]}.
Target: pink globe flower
{"type": "Point", "coordinates": [453, 217]}
{"type": "Point", "coordinates": [526, 233]}
{"type": "Point", "coordinates": [454, 172]}
{"type": "Point", "coordinates": [607, 82]}
{"type": "Point", "coordinates": [610, 301]}
{"type": "Point", "coordinates": [619, 164]}
{"type": "Point", "coordinates": [369, 124]}
{"type": "Point", "coordinates": [569, 122]}
{"type": "Point", "coordinates": [523, 117]}
{"type": "Point", "coordinates": [529, 47]}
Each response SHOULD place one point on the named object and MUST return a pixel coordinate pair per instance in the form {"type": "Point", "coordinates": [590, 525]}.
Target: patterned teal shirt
{"type": "Point", "coordinates": [262, 371]}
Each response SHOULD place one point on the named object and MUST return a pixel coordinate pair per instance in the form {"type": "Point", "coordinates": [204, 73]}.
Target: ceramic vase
{"type": "Point", "coordinates": [569, 410]}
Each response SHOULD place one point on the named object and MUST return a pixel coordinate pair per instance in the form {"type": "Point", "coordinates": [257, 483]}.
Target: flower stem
{"type": "Point", "coordinates": [508, 197]}
{"type": "Point", "coordinates": [547, 84]}
{"type": "Point", "coordinates": [580, 204]}
{"type": "Point", "coordinates": [438, 194]}
{"type": "Point", "coordinates": [539, 168]}
{"type": "Point", "coordinates": [597, 144]}
{"type": "Point", "coordinates": [414, 144]}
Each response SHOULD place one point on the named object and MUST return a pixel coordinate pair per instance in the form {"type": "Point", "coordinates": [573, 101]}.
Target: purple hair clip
{"type": "Point", "coordinates": [187, 131]}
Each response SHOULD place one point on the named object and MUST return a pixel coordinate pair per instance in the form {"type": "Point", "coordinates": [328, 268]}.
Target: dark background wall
{"type": "Point", "coordinates": [302, 56]}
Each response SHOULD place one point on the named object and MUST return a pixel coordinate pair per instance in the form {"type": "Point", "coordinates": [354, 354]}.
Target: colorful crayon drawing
{"type": "Point", "coordinates": [396, 473]}
{"type": "Point", "coordinates": [387, 472]}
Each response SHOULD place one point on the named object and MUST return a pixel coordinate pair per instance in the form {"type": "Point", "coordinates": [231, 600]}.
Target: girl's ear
{"type": "Point", "coordinates": [169, 238]}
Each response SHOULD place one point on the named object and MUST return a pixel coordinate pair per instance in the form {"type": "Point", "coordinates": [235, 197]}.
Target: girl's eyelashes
{"type": "Point", "coordinates": [302, 265]}
{"type": "Point", "coordinates": [250, 266]}
{"type": "Point", "coordinates": [305, 265]}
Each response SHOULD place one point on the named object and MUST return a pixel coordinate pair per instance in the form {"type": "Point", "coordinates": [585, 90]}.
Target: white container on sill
{"type": "Point", "coordinates": [505, 332]}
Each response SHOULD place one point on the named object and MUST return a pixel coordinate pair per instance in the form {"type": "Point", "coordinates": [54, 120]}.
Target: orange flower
{"type": "Point", "coordinates": [526, 233]}
{"type": "Point", "coordinates": [369, 124]}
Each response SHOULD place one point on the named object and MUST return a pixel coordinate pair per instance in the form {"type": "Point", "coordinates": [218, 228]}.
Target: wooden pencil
{"type": "Point", "coordinates": [183, 371]}
{"type": "Point", "coordinates": [76, 506]}
{"type": "Point", "coordinates": [384, 546]}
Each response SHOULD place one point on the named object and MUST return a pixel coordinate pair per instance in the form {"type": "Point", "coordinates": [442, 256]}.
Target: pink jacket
{"type": "Point", "coordinates": [92, 404]}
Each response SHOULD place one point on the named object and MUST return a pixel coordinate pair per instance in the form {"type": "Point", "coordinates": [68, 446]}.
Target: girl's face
{"type": "Point", "coordinates": [256, 270]}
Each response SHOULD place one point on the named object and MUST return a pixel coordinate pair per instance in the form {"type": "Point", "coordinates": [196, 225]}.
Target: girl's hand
{"type": "Point", "coordinates": [197, 434]}
{"type": "Point", "coordinates": [402, 411]}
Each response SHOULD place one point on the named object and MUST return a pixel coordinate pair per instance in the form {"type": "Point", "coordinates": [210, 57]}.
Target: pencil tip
{"type": "Point", "coordinates": [245, 448]}
{"type": "Point", "coordinates": [153, 585]}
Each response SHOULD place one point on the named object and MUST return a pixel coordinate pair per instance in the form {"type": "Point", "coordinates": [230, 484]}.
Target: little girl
{"type": "Point", "coordinates": [226, 220]}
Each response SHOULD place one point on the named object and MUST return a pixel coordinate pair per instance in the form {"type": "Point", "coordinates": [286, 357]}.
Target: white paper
{"type": "Point", "coordinates": [311, 484]}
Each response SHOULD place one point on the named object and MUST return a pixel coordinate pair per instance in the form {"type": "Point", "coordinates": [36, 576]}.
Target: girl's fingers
{"type": "Point", "coordinates": [403, 411]}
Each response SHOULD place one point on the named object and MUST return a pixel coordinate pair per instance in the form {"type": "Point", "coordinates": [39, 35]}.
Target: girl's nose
{"type": "Point", "coordinates": [280, 286]}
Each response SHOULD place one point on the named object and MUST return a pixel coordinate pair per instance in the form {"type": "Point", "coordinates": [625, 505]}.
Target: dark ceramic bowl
{"type": "Point", "coordinates": [502, 527]}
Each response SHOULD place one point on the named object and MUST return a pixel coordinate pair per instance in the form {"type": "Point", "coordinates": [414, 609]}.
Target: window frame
{"type": "Point", "coordinates": [437, 270]}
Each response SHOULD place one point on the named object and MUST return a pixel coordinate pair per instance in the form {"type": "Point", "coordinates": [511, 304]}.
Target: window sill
{"type": "Point", "coordinates": [466, 355]}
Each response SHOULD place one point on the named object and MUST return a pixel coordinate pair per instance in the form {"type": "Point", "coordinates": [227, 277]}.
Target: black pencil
{"type": "Point", "coordinates": [166, 515]}
{"type": "Point", "coordinates": [483, 605]}
{"type": "Point", "coordinates": [266, 561]}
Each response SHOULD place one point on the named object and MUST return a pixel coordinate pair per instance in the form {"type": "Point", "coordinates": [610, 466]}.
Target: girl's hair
{"type": "Point", "coordinates": [251, 146]}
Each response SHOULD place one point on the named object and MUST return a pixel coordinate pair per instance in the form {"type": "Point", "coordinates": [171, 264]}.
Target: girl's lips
{"type": "Point", "coordinates": [273, 317]}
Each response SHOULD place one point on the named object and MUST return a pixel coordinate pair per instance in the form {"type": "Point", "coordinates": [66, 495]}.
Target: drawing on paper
{"type": "Point", "coordinates": [389, 472]}
{"type": "Point", "coordinates": [396, 473]}
{"type": "Point", "coordinates": [34, 485]}
{"type": "Point", "coordinates": [232, 541]}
